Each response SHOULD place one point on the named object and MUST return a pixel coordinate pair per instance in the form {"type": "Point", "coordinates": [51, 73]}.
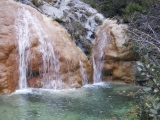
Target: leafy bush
{"type": "Point", "coordinates": [149, 103]}
{"type": "Point", "coordinates": [146, 42]}
{"type": "Point", "coordinates": [112, 8]}
{"type": "Point", "coordinates": [144, 31]}
{"type": "Point", "coordinates": [148, 98]}
{"type": "Point", "coordinates": [149, 73]}
{"type": "Point", "coordinates": [59, 20]}
{"type": "Point", "coordinates": [109, 8]}
{"type": "Point", "coordinates": [132, 7]}
{"type": "Point", "coordinates": [97, 20]}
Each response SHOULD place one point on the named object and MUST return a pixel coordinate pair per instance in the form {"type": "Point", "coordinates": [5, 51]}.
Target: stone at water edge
{"type": "Point", "coordinates": [118, 62]}
{"type": "Point", "coordinates": [65, 50]}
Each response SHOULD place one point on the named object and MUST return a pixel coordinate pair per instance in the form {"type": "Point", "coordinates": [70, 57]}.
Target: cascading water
{"type": "Point", "coordinates": [22, 30]}
{"type": "Point", "coordinates": [97, 57]}
{"type": "Point", "coordinates": [83, 73]}
{"type": "Point", "coordinates": [51, 66]}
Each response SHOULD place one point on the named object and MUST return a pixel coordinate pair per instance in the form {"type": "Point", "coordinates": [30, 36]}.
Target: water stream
{"type": "Point", "coordinates": [23, 37]}
{"type": "Point", "coordinates": [24, 24]}
{"type": "Point", "coordinates": [51, 66]}
{"type": "Point", "coordinates": [97, 57]}
{"type": "Point", "coordinates": [83, 73]}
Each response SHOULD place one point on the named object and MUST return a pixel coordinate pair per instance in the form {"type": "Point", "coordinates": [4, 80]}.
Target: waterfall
{"type": "Point", "coordinates": [23, 37]}
{"type": "Point", "coordinates": [97, 57]}
{"type": "Point", "coordinates": [50, 73]}
{"type": "Point", "coordinates": [83, 72]}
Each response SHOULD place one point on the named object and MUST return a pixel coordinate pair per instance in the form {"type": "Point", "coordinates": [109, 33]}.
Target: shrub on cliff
{"type": "Point", "coordinates": [112, 8]}
{"type": "Point", "coordinates": [148, 69]}
{"type": "Point", "coordinates": [109, 8]}
{"type": "Point", "coordinates": [145, 39]}
{"type": "Point", "coordinates": [143, 18]}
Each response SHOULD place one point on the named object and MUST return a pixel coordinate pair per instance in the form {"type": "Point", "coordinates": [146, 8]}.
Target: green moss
{"type": "Point", "coordinates": [97, 20]}
{"type": "Point", "coordinates": [59, 20]}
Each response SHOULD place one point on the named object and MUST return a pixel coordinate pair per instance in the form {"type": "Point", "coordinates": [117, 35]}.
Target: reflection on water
{"type": "Point", "coordinates": [92, 102]}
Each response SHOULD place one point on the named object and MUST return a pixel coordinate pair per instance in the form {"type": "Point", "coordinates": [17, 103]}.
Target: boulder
{"type": "Point", "coordinates": [80, 19]}
{"type": "Point", "coordinates": [51, 59]}
{"type": "Point", "coordinates": [110, 50]}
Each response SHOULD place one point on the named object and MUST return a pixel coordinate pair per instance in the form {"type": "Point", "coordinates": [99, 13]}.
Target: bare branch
{"type": "Point", "coordinates": [153, 32]}
{"type": "Point", "coordinates": [145, 38]}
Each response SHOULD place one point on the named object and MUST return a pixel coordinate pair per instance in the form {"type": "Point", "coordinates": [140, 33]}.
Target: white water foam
{"type": "Point", "coordinates": [83, 73]}
{"type": "Point", "coordinates": [23, 91]}
{"type": "Point", "coordinates": [23, 37]}
{"type": "Point", "coordinates": [51, 67]}
{"type": "Point", "coordinates": [97, 57]}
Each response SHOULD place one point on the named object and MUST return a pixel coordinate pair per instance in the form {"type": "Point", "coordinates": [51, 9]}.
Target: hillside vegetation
{"type": "Point", "coordinates": [143, 19]}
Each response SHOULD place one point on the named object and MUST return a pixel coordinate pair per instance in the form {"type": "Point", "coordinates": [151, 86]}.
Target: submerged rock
{"type": "Point", "coordinates": [110, 54]}
{"type": "Point", "coordinates": [36, 49]}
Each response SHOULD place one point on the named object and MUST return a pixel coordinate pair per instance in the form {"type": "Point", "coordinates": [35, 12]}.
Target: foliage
{"type": "Point", "coordinates": [134, 10]}
{"type": "Point", "coordinates": [109, 8]}
{"type": "Point", "coordinates": [148, 73]}
{"type": "Point", "coordinates": [147, 108]}
{"type": "Point", "coordinates": [145, 40]}
{"type": "Point", "coordinates": [123, 8]}
{"type": "Point", "coordinates": [147, 21]}
{"type": "Point", "coordinates": [97, 20]}
{"type": "Point", "coordinates": [59, 20]}
{"type": "Point", "coordinates": [144, 31]}
{"type": "Point", "coordinates": [151, 73]}
{"type": "Point", "coordinates": [132, 7]}
{"type": "Point", "coordinates": [150, 103]}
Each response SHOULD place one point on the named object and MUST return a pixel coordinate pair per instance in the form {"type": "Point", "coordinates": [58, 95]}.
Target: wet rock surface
{"type": "Point", "coordinates": [80, 20]}
{"type": "Point", "coordinates": [118, 63]}
{"type": "Point", "coordinates": [13, 27]}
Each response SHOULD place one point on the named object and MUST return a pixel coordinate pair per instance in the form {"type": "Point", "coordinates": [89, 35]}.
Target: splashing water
{"type": "Point", "coordinates": [97, 57]}
{"type": "Point", "coordinates": [51, 66]}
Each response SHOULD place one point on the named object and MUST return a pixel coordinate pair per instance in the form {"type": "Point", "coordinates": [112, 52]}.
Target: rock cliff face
{"type": "Point", "coordinates": [110, 55]}
{"type": "Point", "coordinates": [78, 18]}
{"type": "Point", "coordinates": [38, 50]}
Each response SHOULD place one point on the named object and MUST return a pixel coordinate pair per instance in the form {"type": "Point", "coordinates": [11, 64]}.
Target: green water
{"type": "Point", "coordinates": [93, 102]}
